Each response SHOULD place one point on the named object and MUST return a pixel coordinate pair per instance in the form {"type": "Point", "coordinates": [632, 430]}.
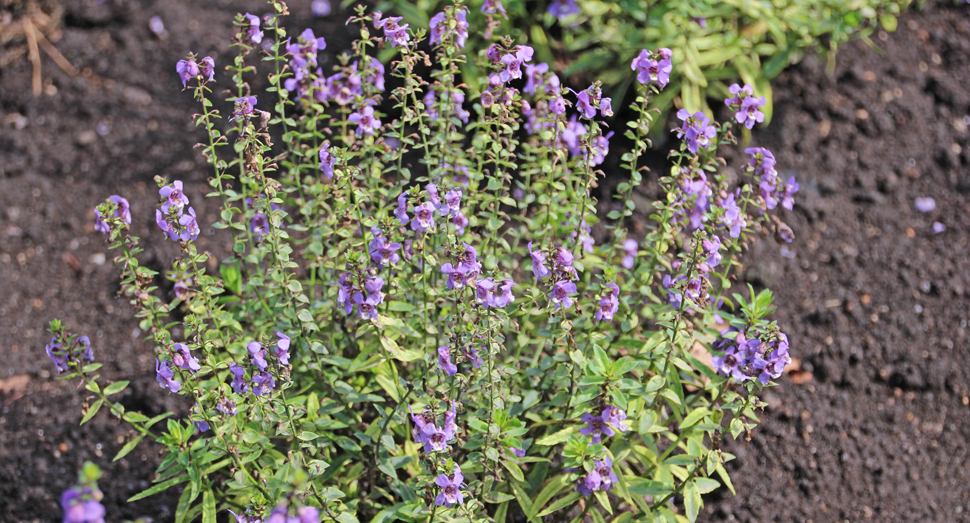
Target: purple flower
{"type": "Point", "coordinates": [282, 348]}
{"type": "Point", "coordinates": [423, 217]}
{"type": "Point", "coordinates": [571, 135]}
{"type": "Point", "coordinates": [598, 426]}
{"type": "Point", "coordinates": [653, 67]}
{"type": "Point", "coordinates": [326, 160]}
{"type": "Point", "coordinates": [187, 70]}
{"type": "Point", "coordinates": [493, 7]}
{"type": "Point", "coordinates": [460, 222]}
{"type": "Point", "coordinates": [433, 196]}
{"type": "Point", "coordinates": [696, 130]}
{"type": "Point", "coordinates": [539, 79]}
{"type": "Point", "coordinates": [365, 119]}
{"type": "Point", "coordinates": [252, 31]}
{"type": "Point", "coordinates": [630, 246]}
{"type": "Point", "coordinates": [450, 485]}
{"type": "Point", "coordinates": [257, 354]}
{"type": "Point", "coordinates": [207, 66]}
{"type": "Point", "coordinates": [373, 287]}
{"type": "Point", "coordinates": [238, 378]}
{"type": "Point", "coordinates": [732, 218]}
{"type": "Point", "coordinates": [560, 294]}
{"type": "Point", "coordinates": [519, 453]}
{"type": "Point", "coordinates": [791, 187]}
{"type": "Point", "coordinates": [564, 258]}
{"type": "Point", "coordinates": [165, 376]}
{"type": "Point", "coordinates": [259, 225]}
{"type": "Point", "coordinates": [435, 438]}
{"type": "Point", "coordinates": [538, 263]}
{"type": "Point", "coordinates": [346, 293]}
{"type": "Point", "coordinates": [394, 32]}
{"type": "Point", "coordinates": [457, 99]}
{"type": "Point", "coordinates": [441, 28]}
{"type": "Point", "coordinates": [367, 308]}
{"type": "Point", "coordinates": [599, 149]}
{"type": "Point", "coordinates": [174, 196]}
{"type": "Point", "coordinates": [712, 248]}
{"type": "Point", "coordinates": [401, 213]}
{"type": "Point", "coordinates": [201, 426]}
{"type": "Point", "coordinates": [513, 62]}
{"type": "Point", "coordinates": [453, 202]}
{"type": "Point", "coordinates": [745, 105]}
{"type": "Point", "coordinates": [189, 226]}
{"type": "Point", "coordinates": [80, 505]}
{"type": "Point", "coordinates": [608, 304]}
{"type": "Point", "coordinates": [444, 361]}
{"type": "Point", "coordinates": [938, 227]}
{"type": "Point", "coordinates": [183, 358]}
{"type": "Point", "coordinates": [122, 210]}
{"type": "Point", "coordinates": [585, 105]}
{"type": "Point", "coordinates": [263, 382]}
{"type": "Point", "coordinates": [53, 352]}
{"type": "Point", "coordinates": [245, 108]}
{"type": "Point", "coordinates": [926, 204]}
{"type": "Point", "coordinates": [563, 8]}
{"type": "Point", "coordinates": [381, 251]}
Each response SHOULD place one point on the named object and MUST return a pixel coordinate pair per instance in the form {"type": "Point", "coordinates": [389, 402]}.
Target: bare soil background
{"type": "Point", "coordinates": [875, 303]}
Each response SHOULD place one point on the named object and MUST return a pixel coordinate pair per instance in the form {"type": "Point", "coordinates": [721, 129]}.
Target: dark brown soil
{"type": "Point", "coordinates": [874, 302]}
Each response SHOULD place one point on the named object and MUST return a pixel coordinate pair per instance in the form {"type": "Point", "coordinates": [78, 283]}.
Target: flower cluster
{"type": "Point", "coordinates": [175, 217]}
{"type": "Point", "coordinates": [445, 28]}
{"type": "Point", "coordinates": [601, 477]}
{"type": "Point", "coordinates": [351, 292]}
{"type": "Point", "coordinates": [606, 423]}
{"type": "Point", "coordinates": [608, 304]}
{"type": "Point", "coordinates": [653, 67]}
{"type": "Point", "coordinates": [456, 97]}
{"type": "Point", "coordinates": [747, 355]}
{"type": "Point", "coordinates": [696, 130]}
{"type": "Point", "coordinates": [772, 190]}
{"type": "Point", "coordinates": [395, 32]}
{"type": "Point", "coordinates": [746, 105]}
{"type": "Point", "coordinates": [253, 33]}
{"type": "Point", "coordinates": [62, 350]}
{"type": "Point", "coordinates": [188, 69]}
{"type": "Point", "coordinates": [465, 269]}
{"type": "Point", "coordinates": [82, 504]}
{"type": "Point", "coordinates": [114, 207]}
{"type": "Point", "coordinates": [562, 274]}
{"type": "Point", "coordinates": [427, 432]}
{"type": "Point", "coordinates": [466, 353]}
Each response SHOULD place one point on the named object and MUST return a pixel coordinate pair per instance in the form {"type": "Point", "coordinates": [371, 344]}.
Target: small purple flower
{"type": "Point", "coordinates": [441, 28]}
{"type": "Point", "coordinates": [513, 62]}
{"type": "Point", "coordinates": [165, 376]}
{"type": "Point", "coordinates": [226, 407]}
{"type": "Point", "coordinates": [401, 213]}
{"type": "Point", "coordinates": [453, 202]}
{"type": "Point", "coordinates": [585, 105]}
{"type": "Point", "coordinates": [327, 160]}
{"type": "Point", "coordinates": [519, 453]}
{"type": "Point", "coordinates": [367, 308]}
{"type": "Point", "coordinates": [696, 130]}
{"type": "Point", "coordinates": [59, 359]}
{"type": "Point", "coordinates": [183, 358]}
{"type": "Point", "coordinates": [201, 426]}
{"type": "Point", "coordinates": [263, 382]}
{"type": "Point", "coordinates": [81, 505]}
{"type": "Point", "coordinates": [599, 149]}
{"type": "Point", "coordinates": [571, 135]}
{"type": "Point", "coordinates": [493, 7]}
{"type": "Point", "coordinates": [564, 258]}
{"type": "Point", "coordinates": [187, 70]}
{"type": "Point", "coordinates": [563, 8]}
{"type": "Point", "coordinates": [450, 485]}
{"type": "Point", "coordinates": [926, 204]}
{"type": "Point", "coordinates": [373, 287]}
{"type": "Point", "coordinates": [746, 105]}
{"type": "Point", "coordinates": [239, 384]}
{"type": "Point", "coordinates": [123, 211]}
{"type": "Point", "coordinates": [712, 248]}
{"type": "Point", "coordinates": [433, 196]}
{"type": "Point", "coordinates": [598, 426]}
{"type": "Point", "coordinates": [630, 247]}
{"type": "Point", "coordinates": [252, 31]}
{"type": "Point", "coordinates": [320, 8]}
{"type": "Point", "coordinates": [282, 348]}
{"type": "Point", "coordinates": [560, 294]}
{"type": "Point", "coordinates": [733, 218]}
{"type": "Point", "coordinates": [207, 66]}
{"type": "Point", "coordinates": [423, 217]}
{"type": "Point", "coordinates": [435, 438]}
{"type": "Point", "coordinates": [245, 108]}
{"type": "Point", "coordinates": [259, 225]}
{"type": "Point", "coordinates": [538, 264]}
{"type": "Point", "coordinates": [174, 196]}
{"type": "Point", "coordinates": [189, 226]}
{"type": "Point", "coordinates": [460, 222]}
{"type": "Point", "coordinates": [367, 122]}
{"type": "Point", "coordinates": [381, 251]}
{"type": "Point", "coordinates": [653, 67]}
{"type": "Point", "coordinates": [346, 293]}
{"type": "Point", "coordinates": [444, 361]}
{"type": "Point", "coordinates": [394, 32]}
{"type": "Point", "coordinates": [608, 304]}
{"type": "Point", "coordinates": [788, 192]}
{"type": "Point", "coordinates": [539, 79]}
{"type": "Point", "coordinates": [257, 354]}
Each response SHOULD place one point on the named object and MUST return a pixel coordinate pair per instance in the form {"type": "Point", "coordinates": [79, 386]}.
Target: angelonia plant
{"type": "Point", "coordinates": [426, 315]}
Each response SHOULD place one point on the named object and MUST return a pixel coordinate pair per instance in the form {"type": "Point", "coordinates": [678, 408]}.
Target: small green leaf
{"type": "Point", "coordinates": [130, 446]}
{"type": "Point", "coordinates": [92, 410]}
{"type": "Point", "coordinates": [208, 507]}
{"type": "Point", "coordinates": [115, 387]}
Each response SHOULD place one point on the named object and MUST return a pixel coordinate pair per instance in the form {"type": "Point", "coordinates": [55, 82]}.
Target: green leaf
{"type": "Point", "coordinates": [692, 501]}
{"type": "Point", "coordinates": [496, 497]}
{"type": "Point", "coordinates": [552, 488]}
{"type": "Point", "coordinates": [558, 437]}
{"type": "Point", "coordinates": [208, 507]}
{"type": "Point", "coordinates": [159, 488]}
{"type": "Point", "coordinates": [501, 513]}
{"type": "Point", "coordinates": [115, 387]}
{"type": "Point", "coordinates": [559, 504]}
{"type": "Point", "coordinates": [646, 487]}
{"type": "Point", "coordinates": [695, 416]}
{"type": "Point", "coordinates": [92, 410]}
{"type": "Point", "coordinates": [524, 502]}
{"type": "Point", "coordinates": [705, 485]}
{"type": "Point", "coordinates": [130, 446]}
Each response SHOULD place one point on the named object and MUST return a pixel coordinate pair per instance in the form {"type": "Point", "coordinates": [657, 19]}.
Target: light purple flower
{"type": "Point", "coordinates": [394, 32]}
{"type": "Point", "coordinates": [226, 407]}
{"type": "Point", "coordinates": [239, 384]}
{"type": "Point", "coordinates": [630, 247]}
{"type": "Point", "coordinates": [326, 160]}
{"type": "Point", "coordinates": [560, 294]}
{"type": "Point", "coordinates": [746, 105]}
{"type": "Point", "coordinates": [174, 196]}
{"type": "Point", "coordinates": [245, 108]}
{"type": "Point", "coordinates": [165, 375]}
{"type": "Point", "coordinates": [183, 358]}
{"type": "Point", "coordinates": [252, 31]}
{"type": "Point", "coordinates": [263, 383]}
{"type": "Point", "coordinates": [563, 8]}
{"type": "Point", "coordinates": [367, 122]}
{"type": "Point", "coordinates": [257, 354]}
{"type": "Point", "coordinates": [444, 361]}
{"type": "Point", "coordinates": [460, 222]}
{"type": "Point", "coordinates": [938, 227]}
{"type": "Point", "coordinates": [608, 304]}
{"type": "Point", "coordinates": [450, 485]}
{"type": "Point", "coordinates": [367, 308]}
{"type": "Point", "coordinates": [493, 7]}
{"type": "Point", "coordinates": [187, 70]}
{"type": "Point", "coordinates": [320, 8]}
{"type": "Point", "coordinates": [453, 202]}
{"type": "Point", "coordinates": [80, 505]}
{"type": "Point", "coordinates": [423, 217]}
{"type": "Point", "coordinates": [282, 348]}
{"type": "Point", "coordinates": [441, 28]}
{"type": "Point", "coordinates": [653, 67]}
{"type": "Point", "coordinates": [123, 211]}
{"type": "Point", "coordinates": [598, 426]}
{"type": "Point", "coordinates": [401, 213]}
{"type": "Point", "coordinates": [696, 130]}
{"type": "Point", "coordinates": [538, 263]}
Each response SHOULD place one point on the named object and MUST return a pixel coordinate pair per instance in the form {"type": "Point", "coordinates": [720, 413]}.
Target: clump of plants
{"type": "Point", "coordinates": [713, 42]}
{"type": "Point", "coordinates": [426, 316]}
